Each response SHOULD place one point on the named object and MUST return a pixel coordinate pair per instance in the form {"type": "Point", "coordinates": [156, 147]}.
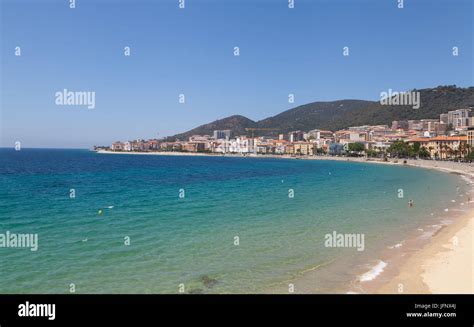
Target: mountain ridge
{"type": "Point", "coordinates": [340, 114]}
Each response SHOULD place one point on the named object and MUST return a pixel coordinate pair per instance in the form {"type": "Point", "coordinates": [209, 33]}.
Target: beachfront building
{"type": "Point", "coordinates": [267, 145]}
{"type": "Point", "coordinates": [198, 143]}
{"type": "Point", "coordinates": [244, 145]}
{"type": "Point", "coordinates": [336, 149]}
{"type": "Point", "coordinates": [241, 144]}
{"type": "Point", "coordinates": [193, 147]}
{"type": "Point", "coordinates": [127, 146]}
{"type": "Point", "coordinates": [279, 146]}
{"type": "Point", "coordinates": [137, 145]}
{"type": "Point", "coordinates": [117, 146]}
{"type": "Point", "coordinates": [303, 148]}
{"type": "Point", "coordinates": [290, 149]}
{"type": "Point", "coordinates": [444, 147]}
{"type": "Point", "coordinates": [170, 146]}
{"type": "Point", "coordinates": [323, 143]}
{"type": "Point", "coordinates": [300, 148]}
{"type": "Point", "coordinates": [470, 138]}
{"type": "Point", "coordinates": [380, 146]}
{"type": "Point", "coordinates": [153, 145]}
{"type": "Point", "coordinates": [262, 148]}
{"type": "Point", "coordinates": [219, 146]}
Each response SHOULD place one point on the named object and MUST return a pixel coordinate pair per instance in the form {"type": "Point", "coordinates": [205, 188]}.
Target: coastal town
{"type": "Point", "coordinates": [450, 137]}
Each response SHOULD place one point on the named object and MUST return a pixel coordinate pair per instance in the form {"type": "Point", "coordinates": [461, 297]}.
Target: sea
{"type": "Point", "coordinates": [209, 224]}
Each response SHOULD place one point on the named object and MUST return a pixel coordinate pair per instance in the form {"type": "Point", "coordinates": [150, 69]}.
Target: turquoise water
{"type": "Point", "coordinates": [190, 240]}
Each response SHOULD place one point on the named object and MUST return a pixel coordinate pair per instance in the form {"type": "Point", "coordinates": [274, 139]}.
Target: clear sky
{"type": "Point", "coordinates": [190, 51]}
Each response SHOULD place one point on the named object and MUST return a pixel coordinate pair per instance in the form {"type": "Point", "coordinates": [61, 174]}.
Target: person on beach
{"type": "Point", "coordinates": [410, 203]}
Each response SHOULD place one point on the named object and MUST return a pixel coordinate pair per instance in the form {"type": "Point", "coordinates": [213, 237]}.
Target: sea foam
{"type": "Point", "coordinates": [374, 272]}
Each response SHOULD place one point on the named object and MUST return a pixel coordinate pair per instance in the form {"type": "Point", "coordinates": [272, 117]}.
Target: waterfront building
{"type": "Point", "coordinates": [117, 146]}
{"type": "Point", "coordinates": [336, 148]}
{"type": "Point", "coordinates": [303, 148]}
{"type": "Point", "coordinates": [444, 147]}
{"type": "Point", "coordinates": [470, 138]}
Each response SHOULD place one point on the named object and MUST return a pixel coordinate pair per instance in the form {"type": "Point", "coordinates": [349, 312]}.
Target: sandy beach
{"type": "Point", "coordinates": [445, 264]}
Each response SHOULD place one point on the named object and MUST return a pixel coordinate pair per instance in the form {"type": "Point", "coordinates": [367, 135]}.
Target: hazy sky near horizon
{"type": "Point", "coordinates": [191, 51]}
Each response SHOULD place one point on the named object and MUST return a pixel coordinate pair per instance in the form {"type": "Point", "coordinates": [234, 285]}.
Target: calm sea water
{"type": "Point", "coordinates": [190, 240]}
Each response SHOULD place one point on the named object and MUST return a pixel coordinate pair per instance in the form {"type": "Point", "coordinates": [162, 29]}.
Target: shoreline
{"type": "Point", "coordinates": [465, 169]}
{"type": "Point", "coordinates": [444, 264]}
{"type": "Point", "coordinates": [446, 166]}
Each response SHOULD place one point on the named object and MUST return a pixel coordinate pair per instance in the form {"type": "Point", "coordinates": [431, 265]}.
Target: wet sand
{"type": "Point", "coordinates": [444, 265]}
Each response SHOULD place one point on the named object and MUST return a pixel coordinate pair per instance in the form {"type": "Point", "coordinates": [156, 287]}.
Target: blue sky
{"type": "Point", "coordinates": [190, 51]}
